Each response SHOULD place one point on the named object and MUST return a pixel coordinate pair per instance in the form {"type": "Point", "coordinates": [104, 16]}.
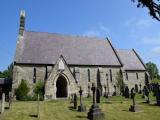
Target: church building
{"type": "Point", "coordinates": [64, 63]}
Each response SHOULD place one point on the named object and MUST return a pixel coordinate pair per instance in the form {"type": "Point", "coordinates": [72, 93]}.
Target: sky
{"type": "Point", "coordinates": [120, 20]}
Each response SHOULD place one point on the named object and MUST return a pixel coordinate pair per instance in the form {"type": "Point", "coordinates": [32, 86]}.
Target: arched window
{"type": "Point", "coordinates": [126, 76]}
{"type": "Point", "coordinates": [137, 76]}
{"type": "Point", "coordinates": [89, 79]}
{"type": "Point", "coordinates": [34, 75]}
{"type": "Point", "coordinates": [110, 72]}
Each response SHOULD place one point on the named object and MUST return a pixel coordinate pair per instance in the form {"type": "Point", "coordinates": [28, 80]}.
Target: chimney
{"type": "Point", "coordinates": [22, 23]}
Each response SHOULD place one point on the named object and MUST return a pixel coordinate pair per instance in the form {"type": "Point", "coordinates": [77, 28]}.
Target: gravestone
{"type": "Point", "coordinates": [126, 92]}
{"type": "Point", "coordinates": [140, 89]}
{"type": "Point", "coordinates": [136, 88]}
{"type": "Point", "coordinates": [2, 103]}
{"type": "Point", "coordinates": [143, 93]}
{"type": "Point", "coordinates": [89, 94]}
{"type": "Point", "coordinates": [75, 101]}
{"type": "Point", "coordinates": [105, 93]}
{"type": "Point", "coordinates": [115, 91]}
{"type": "Point", "coordinates": [81, 107]}
{"type": "Point", "coordinates": [146, 94]}
{"type": "Point", "coordinates": [95, 112]}
{"type": "Point", "coordinates": [133, 107]}
{"type": "Point", "coordinates": [10, 100]}
{"type": "Point", "coordinates": [72, 98]}
{"type": "Point", "coordinates": [98, 95]}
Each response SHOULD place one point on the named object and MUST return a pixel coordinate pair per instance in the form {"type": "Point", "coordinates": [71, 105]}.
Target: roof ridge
{"type": "Point", "coordinates": [68, 35]}
{"type": "Point", "coordinates": [123, 49]}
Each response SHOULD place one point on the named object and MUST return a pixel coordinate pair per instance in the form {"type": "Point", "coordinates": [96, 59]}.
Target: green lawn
{"type": "Point", "coordinates": [115, 108]}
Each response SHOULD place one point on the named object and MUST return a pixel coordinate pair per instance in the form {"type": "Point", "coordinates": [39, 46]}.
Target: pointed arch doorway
{"type": "Point", "coordinates": [62, 88]}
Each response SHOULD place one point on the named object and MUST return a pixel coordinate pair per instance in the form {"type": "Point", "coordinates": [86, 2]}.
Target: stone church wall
{"type": "Point", "coordinates": [26, 72]}
{"type": "Point", "coordinates": [133, 79]}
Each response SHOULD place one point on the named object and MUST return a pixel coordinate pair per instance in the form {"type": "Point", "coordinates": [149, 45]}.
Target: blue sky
{"type": "Point", "coordinates": [127, 26]}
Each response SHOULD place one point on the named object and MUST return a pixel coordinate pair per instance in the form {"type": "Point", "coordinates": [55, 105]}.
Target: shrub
{"type": "Point", "coordinates": [120, 83]}
{"type": "Point", "coordinates": [22, 91]}
{"type": "Point", "coordinates": [39, 89]}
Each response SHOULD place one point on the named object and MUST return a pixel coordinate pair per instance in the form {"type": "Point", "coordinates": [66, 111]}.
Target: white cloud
{"type": "Point", "coordinates": [97, 31]}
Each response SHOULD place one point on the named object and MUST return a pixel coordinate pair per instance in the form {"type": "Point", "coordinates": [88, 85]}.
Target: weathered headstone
{"type": "Point", "coordinates": [75, 101]}
{"type": "Point", "coordinates": [72, 98]}
{"type": "Point", "coordinates": [126, 92]}
{"type": "Point", "coordinates": [143, 93]}
{"type": "Point", "coordinates": [38, 106]}
{"type": "Point", "coordinates": [133, 107]}
{"type": "Point", "coordinates": [140, 89]}
{"type": "Point", "coordinates": [81, 107]}
{"type": "Point", "coordinates": [95, 112]}
{"type": "Point", "coordinates": [89, 94]}
{"type": "Point", "coordinates": [136, 88]}
{"type": "Point", "coordinates": [115, 91]}
{"type": "Point", "coordinates": [98, 95]}
{"type": "Point", "coordinates": [105, 93]}
{"type": "Point", "coordinates": [10, 100]}
{"type": "Point", "coordinates": [146, 94]}
{"type": "Point", "coordinates": [2, 103]}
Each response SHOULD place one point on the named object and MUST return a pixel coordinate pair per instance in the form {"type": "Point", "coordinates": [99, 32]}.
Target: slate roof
{"type": "Point", "coordinates": [4, 81]}
{"type": "Point", "coordinates": [46, 48]}
{"type": "Point", "coordinates": [130, 60]}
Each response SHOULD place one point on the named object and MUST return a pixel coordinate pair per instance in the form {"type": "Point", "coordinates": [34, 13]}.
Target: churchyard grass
{"type": "Point", "coordinates": [115, 108]}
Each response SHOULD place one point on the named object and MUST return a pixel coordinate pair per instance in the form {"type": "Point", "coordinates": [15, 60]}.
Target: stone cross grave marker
{"type": "Point", "coordinates": [95, 112]}
{"type": "Point", "coordinates": [146, 94]}
{"type": "Point", "coordinates": [133, 107]}
{"type": "Point", "coordinates": [98, 96]}
{"type": "Point", "coordinates": [89, 94]}
{"type": "Point", "coordinates": [75, 101]}
{"type": "Point", "coordinates": [81, 107]}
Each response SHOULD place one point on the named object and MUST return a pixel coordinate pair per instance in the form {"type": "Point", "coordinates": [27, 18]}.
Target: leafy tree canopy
{"type": "Point", "coordinates": [153, 70]}
{"type": "Point", "coordinates": [152, 5]}
{"type": "Point", "coordinates": [7, 73]}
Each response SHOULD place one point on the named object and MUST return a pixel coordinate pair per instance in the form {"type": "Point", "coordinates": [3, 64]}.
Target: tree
{"type": "Point", "coordinates": [152, 69]}
{"type": "Point", "coordinates": [7, 73]}
{"type": "Point", "coordinates": [152, 5]}
{"type": "Point", "coordinates": [120, 83]}
{"type": "Point", "coordinates": [39, 89]}
{"type": "Point", "coordinates": [22, 91]}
